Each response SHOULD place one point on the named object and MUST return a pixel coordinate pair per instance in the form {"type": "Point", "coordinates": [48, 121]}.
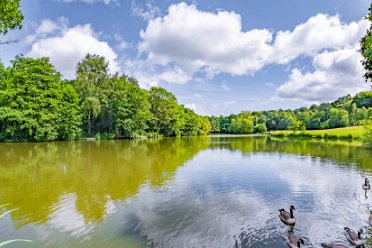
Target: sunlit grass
{"type": "Point", "coordinates": [356, 132]}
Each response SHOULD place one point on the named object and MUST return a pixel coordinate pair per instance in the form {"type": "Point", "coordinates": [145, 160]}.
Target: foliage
{"type": "Point", "coordinates": [167, 113]}
{"type": "Point", "coordinates": [366, 48]}
{"type": "Point", "coordinates": [10, 15]}
{"type": "Point", "coordinates": [35, 105]}
{"type": "Point", "coordinates": [242, 124]}
{"type": "Point", "coordinates": [367, 137]}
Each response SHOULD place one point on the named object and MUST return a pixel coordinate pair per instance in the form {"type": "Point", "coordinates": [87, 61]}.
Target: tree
{"type": "Point", "coordinates": [10, 15]}
{"type": "Point", "coordinates": [366, 48]}
{"type": "Point", "coordinates": [242, 124]}
{"type": "Point", "coordinates": [167, 113]}
{"type": "Point", "coordinates": [131, 108]}
{"type": "Point", "coordinates": [338, 118]}
{"type": "Point", "coordinates": [363, 99]}
{"type": "Point", "coordinates": [33, 103]}
{"type": "Point", "coordinates": [70, 113]}
{"type": "Point", "coordinates": [91, 80]}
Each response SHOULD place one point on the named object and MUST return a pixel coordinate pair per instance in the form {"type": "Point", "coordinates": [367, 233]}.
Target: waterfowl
{"type": "Point", "coordinates": [366, 185]}
{"type": "Point", "coordinates": [287, 217]}
{"type": "Point", "coordinates": [354, 238]}
{"type": "Point", "coordinates": [293, 241]}
{"type": "Point", "coordinates": [324, 245]}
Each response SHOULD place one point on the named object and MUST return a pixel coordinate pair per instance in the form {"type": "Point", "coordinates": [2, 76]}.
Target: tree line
{"type": "Point", "coordinates": [37, 104]}
{"type": "Point", "coordinates": [345, 111]}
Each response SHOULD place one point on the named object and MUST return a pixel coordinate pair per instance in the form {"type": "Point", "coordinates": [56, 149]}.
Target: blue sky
{"type": "Point", "coordinates": [217, 57]}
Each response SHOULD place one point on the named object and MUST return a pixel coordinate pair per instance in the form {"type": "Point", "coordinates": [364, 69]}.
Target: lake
{"type": "Point", "coordinates": [216, 191]}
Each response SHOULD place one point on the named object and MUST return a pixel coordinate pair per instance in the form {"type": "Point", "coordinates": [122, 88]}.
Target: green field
{"type": "Point", "coordinates": [356, 131]}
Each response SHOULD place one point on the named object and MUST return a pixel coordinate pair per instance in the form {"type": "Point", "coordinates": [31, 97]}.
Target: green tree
{"type": "Point", "coordinates": [363, 99]}
{"type": "Point", "coordinates": [167, 113]}
{"type": "Point", "coordinates": [10, 15]}
{"type": "Point", "coordinates": [31, 101]}
{"type": "Point", "coordinates": [242, 124]}
{"type": "Point", "coordinates": [204, 125]}
{"type": "Point", "coordinates": [91, 83]}
{"type": "Point", "coordinates": [70, 113]}
{"type": "Point", "coordinates": [131, 107]}
{"type": "Point", "coordinates": [366, 48]}
{"type": "Point", "coordinates": [338, 118]}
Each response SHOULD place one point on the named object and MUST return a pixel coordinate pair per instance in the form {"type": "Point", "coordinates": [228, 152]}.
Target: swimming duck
{"type": "Point", "coordinates": [366, 185]}
{"type": "Point", "coordinates": [286, 217]}
{"type": "Point", "coordinates": [293, 241]}
{"type": "Point", "coordinates": [324, 245]}
{"type": "Point", "coordinates": [354, 238]}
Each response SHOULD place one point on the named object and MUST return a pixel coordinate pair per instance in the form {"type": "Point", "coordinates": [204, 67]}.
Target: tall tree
{"type": "Point", "coordinates": [91, 79]}
{"type": "Point", "coordinates": [366, 48]}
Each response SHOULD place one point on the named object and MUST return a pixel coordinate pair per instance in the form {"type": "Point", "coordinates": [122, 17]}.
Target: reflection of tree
{"type": "Point", "coordinates": [34, 176]}
{"type": "Point", "coordinates": [341, 152]}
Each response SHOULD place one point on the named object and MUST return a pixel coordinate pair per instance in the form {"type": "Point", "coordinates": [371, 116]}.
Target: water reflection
{"type": "Point", "coordinates": [194, 192]}
{"type": "Point", "coordinates": [33, 177]}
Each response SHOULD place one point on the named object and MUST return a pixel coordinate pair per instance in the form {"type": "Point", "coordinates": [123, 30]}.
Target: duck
{"type": "Point", "coordinates": [287, 217]}
{"type": "Point", "coordinates": [324, 245]}
{"type": "Point", "coordinates": [293, 241]}
{"type": "Point", "coordinates": [354, 238]}
{"type": "Point", "coordinates": [366, 185]}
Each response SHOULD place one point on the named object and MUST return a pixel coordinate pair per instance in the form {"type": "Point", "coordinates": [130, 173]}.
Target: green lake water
{"type": "Point", "coordinates": [216, 191]}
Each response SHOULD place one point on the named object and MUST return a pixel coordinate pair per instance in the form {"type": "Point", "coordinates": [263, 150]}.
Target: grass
{"type": "Point", "coordinates": [334, 133]}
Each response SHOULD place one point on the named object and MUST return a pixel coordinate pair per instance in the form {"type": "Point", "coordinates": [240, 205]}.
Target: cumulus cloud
{"type": "Point", "coordinates": [188, 42]}
{"type": "Point", "coordinates": [335, 74]}
{"type": "Point", "coordinates": [69, 46]}
{"type": "Point", "coordinates": [318, 33]}
{"type": "Point", "coordinates": [202, 41]}
{"type": "Point", "coordinates": [88, 1]}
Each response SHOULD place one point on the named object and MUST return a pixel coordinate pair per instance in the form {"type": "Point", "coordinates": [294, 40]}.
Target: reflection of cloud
{"type": "Point", "coordinates": [331, 190]}
{"type": "Point", "coordinates": [67, 219]}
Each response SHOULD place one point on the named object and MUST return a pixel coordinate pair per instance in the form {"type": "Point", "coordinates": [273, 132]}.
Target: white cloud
{"type": "Point", "coordinates": [88, 1]}
{"type": "Point", "coordinates": [70, 46]}
{"type": "Point", "coordinates": [225, 87]}
{"type": "Point", "coordinates": [188, 42]}
{"type": "Point", "coordinates": [335, 74]}
{"type": "Point", "coordinates": [202, 41]}
{"type": "Point", "coordinates": [318, 33]}
{"type": "Point", "coordinates": [149, 12]}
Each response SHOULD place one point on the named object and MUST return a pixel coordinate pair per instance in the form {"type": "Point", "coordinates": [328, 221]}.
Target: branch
{"type": "Point", "coordinates": [8, 42]}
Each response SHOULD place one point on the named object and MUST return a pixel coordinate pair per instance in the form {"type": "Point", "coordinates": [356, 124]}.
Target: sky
{"type": "Point", "coordinates": [217, 57]}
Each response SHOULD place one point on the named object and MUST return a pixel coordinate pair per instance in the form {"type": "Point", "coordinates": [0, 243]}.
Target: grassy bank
{"type": "Point", "coordinates": [335, 133]}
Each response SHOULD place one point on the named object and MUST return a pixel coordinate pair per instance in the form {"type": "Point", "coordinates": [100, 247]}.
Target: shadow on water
{"type": "Point", "coordinates": [183, 192]}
